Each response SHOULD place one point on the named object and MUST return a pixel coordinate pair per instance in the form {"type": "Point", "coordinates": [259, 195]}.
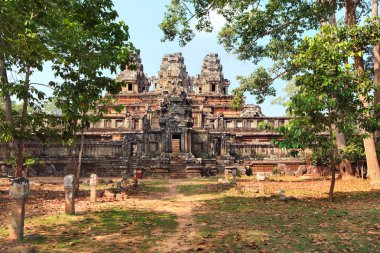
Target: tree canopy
{"type": "Point", "coordinates": [80, 38]}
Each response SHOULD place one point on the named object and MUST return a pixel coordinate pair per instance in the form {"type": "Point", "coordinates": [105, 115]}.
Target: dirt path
{"type": "Point", "coordinates": [182, 207]}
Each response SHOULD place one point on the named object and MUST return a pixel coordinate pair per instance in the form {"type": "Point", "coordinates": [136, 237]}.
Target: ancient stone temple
{"type": "Point", "coordinates": [175, 125]}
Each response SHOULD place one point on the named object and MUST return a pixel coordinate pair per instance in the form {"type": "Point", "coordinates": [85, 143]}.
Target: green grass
{"type": "Point", "coordinates": [198, 189]}
{"type": "Point", "coordinates": [103, 231]}
{"type": "Point", "coordinates": [86, 187]}
{"type": "Point", "coordinates": [4, 232]}
{"type": "Point", "coordinates": [154, 188]}
{"type": "Point", "coordinates": [293, 226]}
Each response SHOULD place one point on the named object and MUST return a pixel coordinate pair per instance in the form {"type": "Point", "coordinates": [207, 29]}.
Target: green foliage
{"type": "Point", "coordinates": [258, 83]}
{"type": "Point", "coordinates": [248, 22]}
{"type": "Point", "coordinates": [263, 125]}
{"type": "Point", "coordinates": [29, 160]}
{"type": "Point", "coordinates": [99, 42]}
{"type": "Point", "coordinates": [290, 89]}
{"type": "Point", "coordinates": [254, 30]}
{"type": "Point", "coordinates": [329, 94]}
{"type": "Point", "coordinates": [81, 39]}
{"type": "Point", "coordinates": [354, 150]}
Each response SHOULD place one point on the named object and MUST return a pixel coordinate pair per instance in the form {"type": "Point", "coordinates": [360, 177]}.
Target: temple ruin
{"type": "Point", "coordinates": [174, 125]}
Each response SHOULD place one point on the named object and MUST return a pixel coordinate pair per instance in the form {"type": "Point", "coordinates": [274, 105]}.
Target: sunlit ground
{"type": "Point", "coordinates": [203, 215]}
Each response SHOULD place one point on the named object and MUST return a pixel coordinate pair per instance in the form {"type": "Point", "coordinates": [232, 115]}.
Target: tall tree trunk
{"type": "Point", "coordinates": [376, 63]}
{"type": "Point", "coordinates": [376, 80]}
{"type": "Point", "coordinates": [6, 94]}
{"type": "Point", "coordinates": [21, 139]}
{"type": "Point", "coordinates": [73, 158]}
{"type": "Point", "coordinates": [369, 142]}
{"type": "Point", "coordinates": [7, 101]}
{"type": "Point", "coordinates": [332, 164]}
{"type": "Point", "coordinates": [79, 161]}
{"type": "Point", "coordinates": [345, 167]}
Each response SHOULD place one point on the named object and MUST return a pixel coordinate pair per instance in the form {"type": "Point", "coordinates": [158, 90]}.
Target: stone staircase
{"type": "Point", "coordinates": [177, 167]}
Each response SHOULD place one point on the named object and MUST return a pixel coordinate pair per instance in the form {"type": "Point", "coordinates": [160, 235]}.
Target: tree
{"type": "Point", "coordinates": [100, 42]}
{"type": "Point", "coordinates": [26, 28]}
{"type": "Point", "coordinates": [290, 89]}
{"type": "Point", "coordinates": [328, 97]}
{"type": "Point", "coordinates": [256, 29]}
{"type": "Point", "coordinates": [80, 38]}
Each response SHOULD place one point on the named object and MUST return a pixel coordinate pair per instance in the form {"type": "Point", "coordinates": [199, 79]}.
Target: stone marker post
{"type": "Point", "coordinates": [18, 192]}
{"type": "Point", "coordinates": [93, 183]}
{"type": "Point", "coordinates": [234, 173]}
{"type": "Point", "coordinates": [226, 175]}
{"type": "Point", "coordinates": [68, 183]}
{"type": "Point", "coordinates": [260, 176]}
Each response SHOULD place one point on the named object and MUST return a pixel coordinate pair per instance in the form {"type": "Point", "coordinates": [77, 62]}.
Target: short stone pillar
{"type": "Point", "coordinates": [68, 183]}
{"type": "Point", "coordinates": [234, 173]}
{"type": "Point", "coordinates": [134, 173]}
{"type": "Point", "coordinates": [261, 177]}
{"type": "Point", "coordinates": [262, 187]}
{"type": "Point", "coordinates": [93, 183]}
{"type": "Point", "coordinates": [18, 193]}
{"type": "Point", "coordinates": [226, 175]}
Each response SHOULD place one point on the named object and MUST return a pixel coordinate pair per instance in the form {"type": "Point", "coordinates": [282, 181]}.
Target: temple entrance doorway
{"type": "Point", "coordinates": [176, 143]}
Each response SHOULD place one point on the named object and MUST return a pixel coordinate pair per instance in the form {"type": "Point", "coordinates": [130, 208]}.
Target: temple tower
{"type": "Point", "coordinates": [173, 77]}
{"type": "Point", "coordinates": [211, 80]}
{"type": "Point", "coordinates": [134, 79]}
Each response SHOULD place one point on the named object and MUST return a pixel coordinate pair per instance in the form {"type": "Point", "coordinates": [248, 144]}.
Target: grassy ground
{"type": "Point", "coordinates": [224, 219]}
{"type": "Point", "coordinates": [306, 222]}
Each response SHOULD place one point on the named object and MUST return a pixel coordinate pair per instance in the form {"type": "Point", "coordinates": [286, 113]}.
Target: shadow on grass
{"type": "Point", "coordinates": [200, 189]}
{"type": "Point", "coordinates": [104, 231]}
{"type": "Point", "coordinates": [351, 223]}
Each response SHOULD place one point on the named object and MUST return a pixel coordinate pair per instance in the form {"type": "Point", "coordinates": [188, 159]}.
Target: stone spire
{"type": "Point", "coordinates": [135, 79]}
{"type": "Point", "coordinates": [211, 79]}
{"type": "Point", "coordinates": [173, 76]}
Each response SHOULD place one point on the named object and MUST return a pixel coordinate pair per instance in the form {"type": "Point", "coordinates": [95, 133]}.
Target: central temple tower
{"type": "Point", "coordinates": [173, 77]}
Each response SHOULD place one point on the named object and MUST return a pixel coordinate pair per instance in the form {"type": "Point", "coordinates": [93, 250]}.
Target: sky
{"type": "Point", "coordinates": [143, 18]}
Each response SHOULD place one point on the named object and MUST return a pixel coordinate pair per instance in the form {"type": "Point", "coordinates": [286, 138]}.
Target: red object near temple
{"type": "Point", "coordinates": [139, 174]}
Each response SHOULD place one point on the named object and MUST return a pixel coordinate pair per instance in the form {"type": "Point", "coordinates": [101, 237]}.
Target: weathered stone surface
{"type": "Point", "coordinates": [53, 172]}
{"type": "Point", "coordinates": [175, 130]}
{"type": "Point", "coordinates": [261, 176]}
{"type": "Point", "coordinates": [284, 169]}
{"type": "Point", "coordinates": [68, 183]}
{"type": "Point", "coordinates": [30, 172]}
{"type": "Point", "coordinates": [211, 79]}
{"type": "Point", "coordinates": [109, 195]}
{"type": "Point", "coordinates": [18, 193]}
{"type": "Point", "coordinates": [93, 184]}
{"type": "Point", "coordinates": [302, 169]}
{"type": "Point", "coordinates": [135, 79]}
{"type": "Point", "coordinates": [3, 171]}
{"type": "Point", "coordinates": [173, 77]}
{"type": "Point", "coordinates": [311, 169]}
{"type": "Point", "coordinates": [251, 111]}
{"type": "Point", "coordinates": [281, 194]}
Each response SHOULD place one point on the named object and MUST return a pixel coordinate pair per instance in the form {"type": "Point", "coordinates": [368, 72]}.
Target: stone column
{"type": "Point", "coordinates": [68, 183]}
{"type": "Point", "coordinates": [260, 176]}
{"type": "Point", "coordinates": [93, 183]}
{"type": "Point", "coordinates": [185, 146]}
{"type": "Point", "coordinates": [182, 140]}
{"type": "Point", "coordinates": [189, 142]}
{"type": "Point", "coordinates": [18, 193]}
{"type": "Point", "coordinates": [234, 173]}
{"type": "Point", "coordinates": [226, 175]}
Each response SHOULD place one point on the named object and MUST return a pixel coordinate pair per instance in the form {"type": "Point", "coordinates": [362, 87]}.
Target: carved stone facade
{"type": "Point", "coordinates": [211, 79]}
{"type": "Point", "coordinates": [181, 127]}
